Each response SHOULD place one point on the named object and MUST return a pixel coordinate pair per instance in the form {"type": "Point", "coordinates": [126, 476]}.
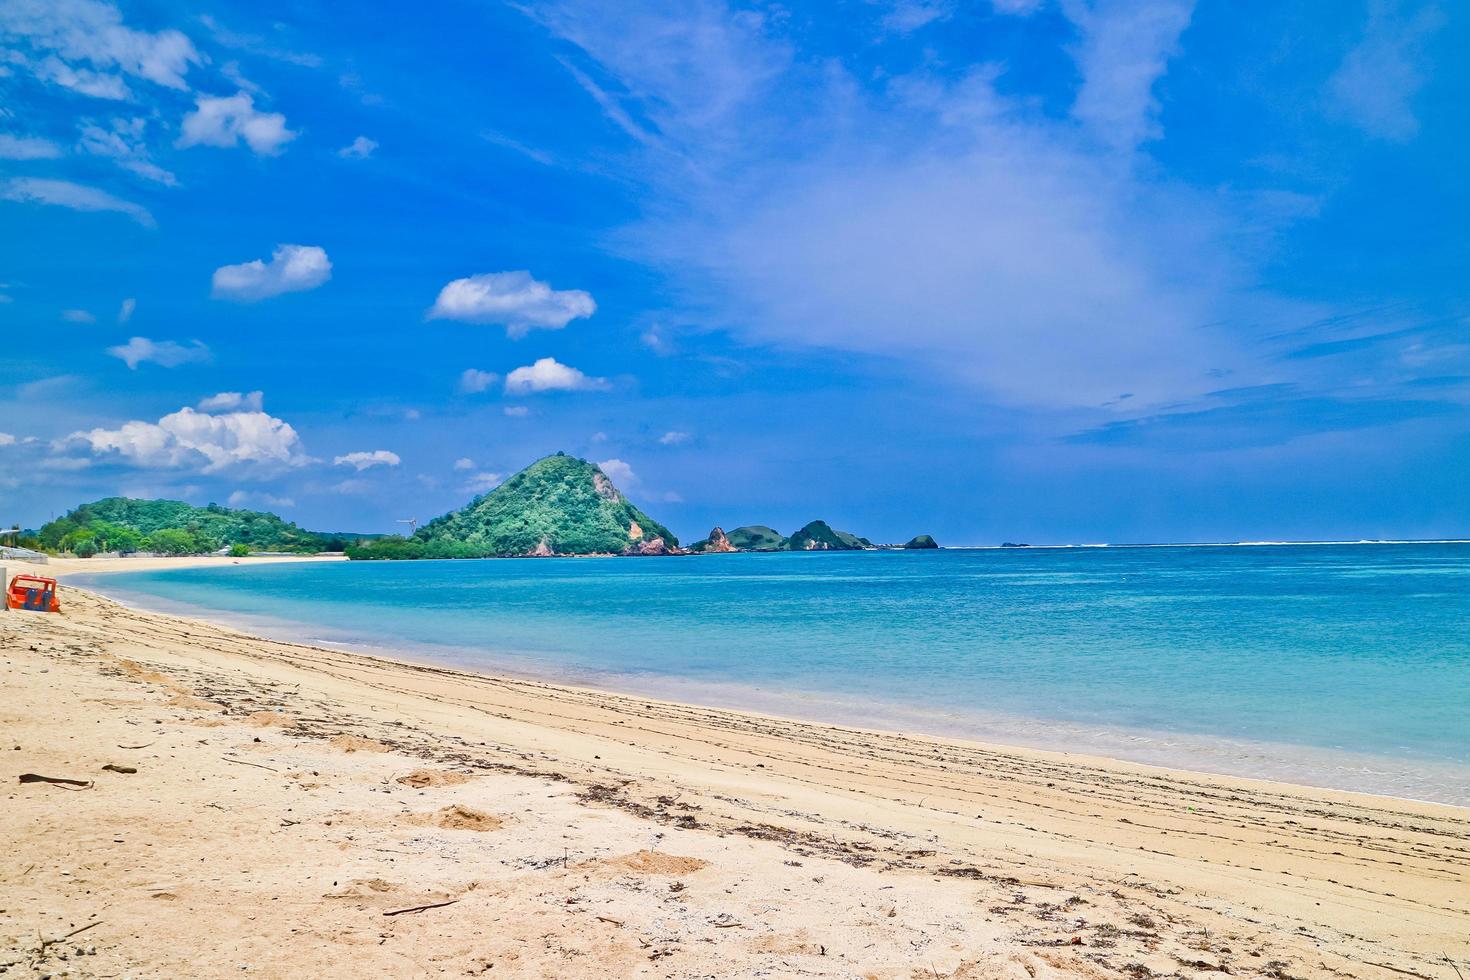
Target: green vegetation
{"type": "Point", "coordinates": [819, 536]}
{"type": "Point", "coordinates": [921, 542]}
{"type": "Point", "coordinates": [559, 505]}
{"type": "Point", "coordinates": [171, 527]}
{"type": "Point", "coordinates": [757, 537]}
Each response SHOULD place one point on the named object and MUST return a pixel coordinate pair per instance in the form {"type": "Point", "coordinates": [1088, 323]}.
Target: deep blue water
{"type": "Point", "coordinates": [1340, 651]}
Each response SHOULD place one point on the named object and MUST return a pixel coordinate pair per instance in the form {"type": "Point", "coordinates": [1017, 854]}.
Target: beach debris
{"type": "Point", "coordinates": [31, 777]}
{"type": "Point", "coordinates": [242, 762]}
{"type": "Point", "coordinates": [143, 746]}
{"type": "Point", "coordinates": [125, 770]}
{"type": "Point", "coordinates": [420, 908]}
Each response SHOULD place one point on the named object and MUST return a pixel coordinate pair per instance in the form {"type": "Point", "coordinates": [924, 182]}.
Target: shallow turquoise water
{"type": "Point", "coordinates": [1359, 656]}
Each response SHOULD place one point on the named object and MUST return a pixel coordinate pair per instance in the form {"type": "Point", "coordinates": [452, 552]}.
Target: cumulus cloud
{"type": "Point", "coordinates": [125, 310]}
{"type": "Point", "coordinates": [6, 439]}
{"type": "Point", "coordinates": [226, 121]}
{"type": "Point", "coordinates": [187, 438]}
{"type": "Point", "coordinates": [514, 299]}
{"type": "Point", "coordinates": [548, 374]}
{"type": "Point", "coordinates": [359, 149]}
{"type": "Point", "coordinates": [233, 401]}
{"type": "Point", "coordinates": [618, 471]}
{"type": "Point", "coordinates": [367, 460]}
{"type": "Point", "coordinates": [674, 438]}
{"type": "Point", "coordinates": [84, 45]}
{"type": "Point", "coordinates": [464, 463]}
{"type": "Point", "coordinates": [78, 316]}
{"type": "Point", "coordinates": [65, 194]}
{"type": "Point", "coordinates": [292, 269]}
{"type": "Point", "coordinates": [27, 148]}
{"type": "Point", "coordinates": [474, 380]}
{"type": "Point", "coordinates": [164, 353]}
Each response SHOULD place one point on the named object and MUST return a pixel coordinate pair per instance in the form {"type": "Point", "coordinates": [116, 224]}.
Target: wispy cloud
{"type": "Point", "coordinates": [27, 148]}
{"type": "Point", "coordinates": [164, 353]}
{"type": "Point", "coordinates": [359, 149]}
{"type": "Point", "coordinates": [1375, 85]}
{"type": "Point", "coordinates": [473, 380]}
{"type": "Point", "coordinates": [77, 197]}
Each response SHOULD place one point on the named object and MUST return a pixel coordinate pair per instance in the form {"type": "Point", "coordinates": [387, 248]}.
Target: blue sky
{"type": "Point", "coordinates": [1042, 270]}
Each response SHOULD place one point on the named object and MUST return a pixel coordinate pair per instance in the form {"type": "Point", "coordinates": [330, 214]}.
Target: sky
{"type": "Point", "coordinates": [1028, 270]}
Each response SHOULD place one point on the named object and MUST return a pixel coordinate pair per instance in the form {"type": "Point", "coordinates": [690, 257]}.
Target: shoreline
{"type": "Point", "coordinates": [1408, 778]}
{"type": "Point", "coordinates": [1219, 867]}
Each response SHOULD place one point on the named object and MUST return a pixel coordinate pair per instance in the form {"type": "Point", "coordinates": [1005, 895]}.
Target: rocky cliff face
{"type": "Point", "coordinates": [718, 542]}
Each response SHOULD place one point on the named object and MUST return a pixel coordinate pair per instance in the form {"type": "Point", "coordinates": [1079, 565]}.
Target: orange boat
{"type": "Point", "coordinates": [32, 592]}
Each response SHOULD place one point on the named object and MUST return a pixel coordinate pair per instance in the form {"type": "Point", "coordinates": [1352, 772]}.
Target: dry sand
{"type": "Point", "coordinates": [293, 806]}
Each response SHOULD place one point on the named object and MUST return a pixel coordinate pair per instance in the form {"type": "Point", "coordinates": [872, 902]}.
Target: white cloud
{"type": "Point", "coordinates": [653, 338]}
{"type": "Point", "coordinates": [68, 34]}
{"type": "Point", "coordinates": [618, 471]}
{"type": "Point", "coordinates": [252, 440]}
{"type": "Point", "coordinates": [598, 437]}
{"type": "Point", "coordinates": [292, 269]}
{"type": "Point", "coordinates": [1375, 85]}
{"type": "Point", "coordinates": [547, 374]}
{"type": "Point", "coordinates": [6, 439]}
{"type": "Point", "coordinates": [907, 16]}
{"type": "Point", "coordinates": [233, 401]}
{"type": "Point", "coordinates": [367, 460]}
{"type": "Point", "coordinates": [78, 197]}
{"type": "Point", "coordinates": [1018, 8]}
{"type": "Point", "coordinates": [474, 380]}
{"type": "Point", "coordinates": [125, 311]}
{"type": "Point", "coordinates": [359, 149]}
{"type": "Point", "coordinates": [674, 438]}
{"type": "Point", "coordinates": [242, 497]}
{"type": "Point", "coordinates": [672, 497]}
{"type": "Point", "coordinates": [164, 353]}
{"type": "Point", "coordinates": [225, 121]}
{"type": "Point", "coordinates": [481, 482]}
{"type": "Point", "coordinates": [516, 411]}
{"type": "Point", "coordinates": [27, 148]}
{"type": "Point", "coordinates": [78, 316]}
{"type": "Point", "coordinates": [513, 299]}
{"type": "Point", "coordinates": [464, 463]}
{"type": "Point", "coordinates": [124, 143]}
{"type": "Point", "coordinates": [1126, 47]}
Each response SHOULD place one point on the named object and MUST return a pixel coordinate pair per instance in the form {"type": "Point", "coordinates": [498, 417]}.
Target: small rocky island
{"type": "Point", "coordinates": [562, 506]}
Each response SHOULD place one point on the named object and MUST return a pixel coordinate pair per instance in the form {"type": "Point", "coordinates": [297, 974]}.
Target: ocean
{"type": "Point", "coordinates": [1344, 666]}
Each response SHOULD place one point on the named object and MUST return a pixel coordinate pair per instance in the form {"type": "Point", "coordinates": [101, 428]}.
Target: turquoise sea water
{"type": "Point", "coordinates": [1345, 666]}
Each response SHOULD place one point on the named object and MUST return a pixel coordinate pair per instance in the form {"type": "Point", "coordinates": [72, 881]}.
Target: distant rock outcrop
{"type": "Point", "coordinates": [717, 543]}
{"type": "Point", "coordinates": [920, 543]}
{"type": "Point", "coordinates": [820, 536]}
{"type": "Point", "coordinates": [757, 537]}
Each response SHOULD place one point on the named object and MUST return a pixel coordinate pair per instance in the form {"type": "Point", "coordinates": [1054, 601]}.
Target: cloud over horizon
{"type": "Point", "coordinates": [514, 300]}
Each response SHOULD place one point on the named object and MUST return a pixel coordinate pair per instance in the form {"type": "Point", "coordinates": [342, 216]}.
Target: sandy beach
{"type": "Point", "coordinates": [248, 807]}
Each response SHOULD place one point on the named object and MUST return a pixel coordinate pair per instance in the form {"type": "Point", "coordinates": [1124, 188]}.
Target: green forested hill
{"type": "Point", "coordinates": [174, 527]}
{"type": "Point", "coordinates": [559, 505]}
